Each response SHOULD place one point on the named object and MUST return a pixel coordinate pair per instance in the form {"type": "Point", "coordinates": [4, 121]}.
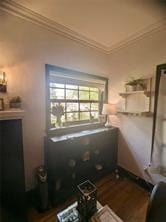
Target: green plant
{"type": "Point", "coordinates": [16, 99]}
{"type": "Point", "coordinates": [58, 111]}
{"type": "Point", "coordinates": [133, 82]}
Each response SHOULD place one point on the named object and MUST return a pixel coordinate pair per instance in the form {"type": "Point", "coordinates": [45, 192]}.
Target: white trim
{"type": "Point", "coordinates": [153, 28]}
{"type": "Point", "coordinates": [35, 18]}
{"type": "Point", "coordinates": [12, 114]}
{"type": "Point", "coordinates": [20, 11]}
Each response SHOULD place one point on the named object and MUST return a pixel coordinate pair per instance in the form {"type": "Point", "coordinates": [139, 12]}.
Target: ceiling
{"type": "Point", "coordinates": [107, 22]}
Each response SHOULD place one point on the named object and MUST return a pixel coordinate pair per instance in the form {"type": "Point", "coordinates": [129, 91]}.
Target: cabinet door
{"type": "Point", "coordinates": [110, 149]}
{"type": "Point", "coordinates": [12, 171]}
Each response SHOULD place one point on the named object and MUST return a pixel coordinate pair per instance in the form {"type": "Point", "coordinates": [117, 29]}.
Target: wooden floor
{"type": "Point", "coordinates": [124, 197]}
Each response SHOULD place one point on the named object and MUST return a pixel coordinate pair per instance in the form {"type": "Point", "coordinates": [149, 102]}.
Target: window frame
{"type": "Point", "coordinates": [72, 73]}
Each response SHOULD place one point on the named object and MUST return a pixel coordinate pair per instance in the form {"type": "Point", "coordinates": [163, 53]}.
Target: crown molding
{"type": "Point", "coordinates": [44, 22]}
{"type": "Point", "coordinates": [148, 30]}
{"type": "Point", "coordinates": [20, 11]}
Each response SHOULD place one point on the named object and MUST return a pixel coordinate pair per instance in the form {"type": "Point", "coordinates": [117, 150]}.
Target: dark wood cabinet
{"type": "Point", "coordinates": [74, 158]}
{"type": "Point", "coordinates": [12, 192]}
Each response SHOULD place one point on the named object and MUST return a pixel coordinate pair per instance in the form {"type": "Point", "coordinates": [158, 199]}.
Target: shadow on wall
{"type": "Point", "coordinates": [126, 158]}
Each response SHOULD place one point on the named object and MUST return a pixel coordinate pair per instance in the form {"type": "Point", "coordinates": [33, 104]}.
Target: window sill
{"type": "Point", "coordinates": [74, 128]}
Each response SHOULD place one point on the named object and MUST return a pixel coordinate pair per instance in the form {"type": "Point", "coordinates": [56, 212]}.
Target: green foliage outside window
{"type": "Point", "coordinates": [80, 103]}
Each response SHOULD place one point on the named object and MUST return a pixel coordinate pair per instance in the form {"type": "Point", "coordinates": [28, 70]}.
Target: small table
{"type": "Point", "coordinates": [103, 214]}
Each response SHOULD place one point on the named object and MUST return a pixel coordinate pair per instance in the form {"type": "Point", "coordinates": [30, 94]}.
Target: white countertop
{"type": "Point", "coordinates": [79, 134]}
{"type": "Point", "coordinates": [12, 114]}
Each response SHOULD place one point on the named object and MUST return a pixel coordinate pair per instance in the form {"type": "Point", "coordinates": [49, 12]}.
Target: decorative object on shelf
{"type": "Point", "coordinates": [109, 109]}
{"type": "Point", "coordinates": [135, 84]}
{"type": "Point", "coordinates": [98, 167]}
{"type": "Point", "coordinates": [72, 164]}
{"type": "Point", "coordinates": [86, 156]}
{"type": "Point", "coordinates": [138, 101]}
{"type": "Point", "coordinates": [87, 200]}
{"type": "Point", "coordinates": [15, 102]}
{"type": "Point", "coordinates": [1, 104]}
{"type": "Point", "coordinates": [58, 111]}
{"type": "Point", "coordinates": [3, 82]}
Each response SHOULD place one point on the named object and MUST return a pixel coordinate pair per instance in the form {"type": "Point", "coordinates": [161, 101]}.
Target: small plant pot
{"type": "Point", "coordinates": [15, 105]}
{"type": "Point", "coordinates": [129, 88]}
{"type": "Point", "coordinates": [139, 87]}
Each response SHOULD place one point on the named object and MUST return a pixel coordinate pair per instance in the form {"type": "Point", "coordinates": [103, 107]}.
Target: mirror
{"type": "Point", "coordinates": [158, 153]}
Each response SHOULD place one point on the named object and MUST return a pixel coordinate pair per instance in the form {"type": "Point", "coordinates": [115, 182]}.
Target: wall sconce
{"type": "Point", "coordinates": [3, 82]}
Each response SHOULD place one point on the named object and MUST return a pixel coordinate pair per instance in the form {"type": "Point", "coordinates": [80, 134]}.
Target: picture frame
{"type": "Point", "coordinates": [1, 104]}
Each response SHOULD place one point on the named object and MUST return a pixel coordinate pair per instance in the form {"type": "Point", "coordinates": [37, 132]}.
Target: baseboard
{"type": "Point", "coordinates": [33, 201]}
{"type": "Point", "coordinates": [141, 182]}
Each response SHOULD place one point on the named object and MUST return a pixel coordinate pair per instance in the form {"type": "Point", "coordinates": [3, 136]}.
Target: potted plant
{"type": "Point", "coordinates": [58, 111]}
{"type": "Point", "coordinates": [135, 84]}
{"type": "Point", "coordinates": [15, 102]}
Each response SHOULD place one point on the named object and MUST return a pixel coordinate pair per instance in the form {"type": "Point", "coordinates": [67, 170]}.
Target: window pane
{"type": "Point", "coordinates": [84, 115]}
{"type": "Point", "coordinates": [83, 95]}
{"type": "Point", "coordinates": [52, 84]}
{"type": "Point", "coordinates": [54, 120]}
{"type": "Point", "coordinates": [94, 96]}
{"type": "Point", "coordinates": [71, 94]}
{"type": "Point", "coordinates": [94, 115]}
{"type": "Point", "coordinates": [72, 116]}
{"type": "Point", "coordinates": [56, 93]}
{"type": "Point", "coordinates": [84, 106]}
{"type": "Point", "coordinates": [72, 107]}
{"type": "Point", "coordinates": [83, 88]}
{"type": "Point", "coordinates": [55, 104]}
{"type": "Point", "coordinates": [94, 106]}
{"type": "Point", "coordinates": [94, 89]}
{"type": "Point", "coordinates": [71, 86]}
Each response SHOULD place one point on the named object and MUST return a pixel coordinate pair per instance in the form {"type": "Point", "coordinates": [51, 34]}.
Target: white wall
{"type": "Point", "coordinates": [24, 50]}
{"type": "Point", "coordinates": [138, 59]}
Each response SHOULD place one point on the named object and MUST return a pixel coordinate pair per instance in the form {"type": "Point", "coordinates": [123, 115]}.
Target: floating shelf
{"type": "Point", "coordinates": [146, 93]}
{"type": "Point", "coordinates": [145, 113]}
{"type": "Point", "coordinates": [138, 102]}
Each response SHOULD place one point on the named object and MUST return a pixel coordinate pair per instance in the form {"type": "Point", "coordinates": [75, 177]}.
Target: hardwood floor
{"type": "Point", "coordinates": [127, 199]}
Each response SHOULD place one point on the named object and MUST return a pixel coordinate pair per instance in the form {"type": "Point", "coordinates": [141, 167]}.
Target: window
{"type": "Point", "coordinates": [72, 97]}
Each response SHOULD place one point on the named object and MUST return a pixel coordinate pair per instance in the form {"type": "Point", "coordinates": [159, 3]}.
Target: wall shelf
{"type": "Point", "coordinates": [130, 113]}
{"type": "Point", "coordinates": [138, 102]}
{"type": "Point", "coordinates": [146, 93]}
{"type": "Point", "coordinates": [12, 114]}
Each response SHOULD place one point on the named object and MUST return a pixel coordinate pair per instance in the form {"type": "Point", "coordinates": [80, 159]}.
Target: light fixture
{"type": "Point", "coordinates": [108, 109]}
{"type": "Point", "coordinates": [3, 82]}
